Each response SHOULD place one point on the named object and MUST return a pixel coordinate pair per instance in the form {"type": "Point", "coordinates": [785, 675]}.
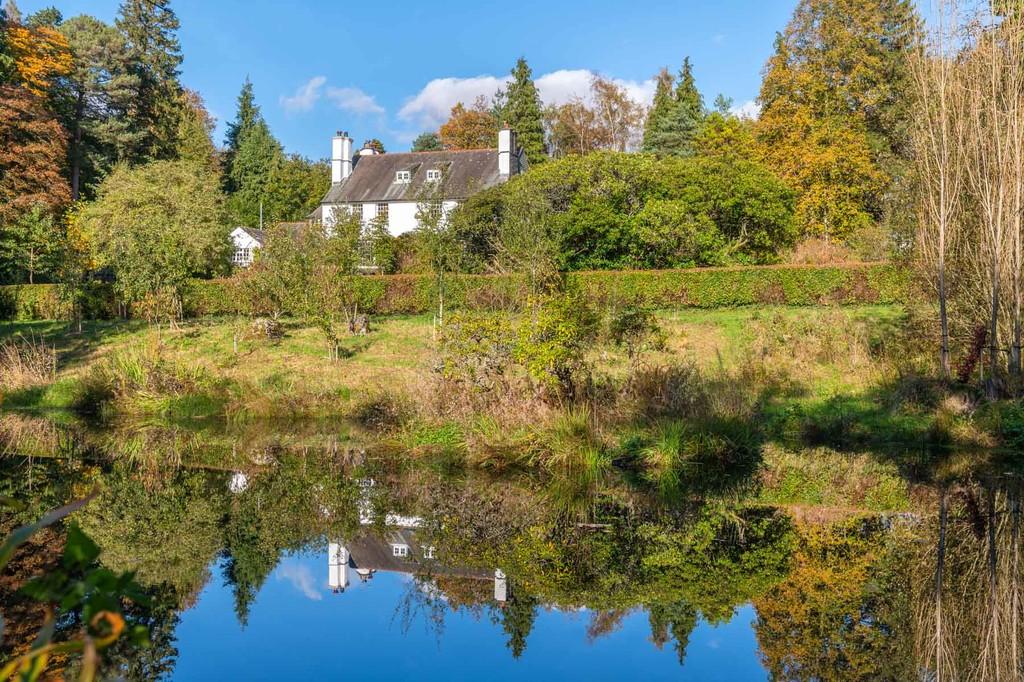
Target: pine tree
{"type": "Point", "coordinates": [521, 109]}
{"type": "Point", "coordinates": [252, 168]}
{"type": "Point", "coordinates": [659, 113]}
{"type": "Point", "coordinates": [6, 59]}
{"type": "Point", "coordinates": [150, 29]}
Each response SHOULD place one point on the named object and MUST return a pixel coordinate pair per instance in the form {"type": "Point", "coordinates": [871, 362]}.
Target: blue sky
{"type": "Point", "coordinates": [392, 69]}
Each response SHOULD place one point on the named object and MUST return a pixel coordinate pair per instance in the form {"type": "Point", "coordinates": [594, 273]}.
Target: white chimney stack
{"type": "Point", "coordinates": [341, 157]}
{"type": "Point", "coordinates": [508, 155]}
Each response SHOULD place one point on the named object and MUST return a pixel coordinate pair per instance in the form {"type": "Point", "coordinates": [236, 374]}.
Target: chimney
{"type": "Point", "coordinates": [508, 153]}
{"type": "Point", "coordinates": [341, 157]}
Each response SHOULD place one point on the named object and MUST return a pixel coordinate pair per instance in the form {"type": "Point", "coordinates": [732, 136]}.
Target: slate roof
{"type": "Point", "coordinates": [258, 235]}
{"type": "Point", "coordinates": [373, 178]}
{"type": "Point", "coordinates": [373, 552]}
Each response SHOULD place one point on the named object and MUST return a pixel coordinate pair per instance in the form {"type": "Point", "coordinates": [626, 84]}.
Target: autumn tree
{"type": "Point", "coordinates": [95, 101]}
{"type": "Point", "coordinates": [32, 149]}
{"type": "Point", "coordinates": [833, 118]}
{"type": "Point", "coordinates": [473, 128]}
{"type": "Point", "coordinates": [617, 113]}
{"type": "Point", "coordinates": [607, 119]}
{"type": "Point", "coordinates": [375, 144]}
{"type": "Point", "coordinates": [40, 55]}
{"type": "Point", "coordinates": [427, 142]}
{"type": "Point", "coordinates": [520, 109]}
{"type": "Point", "coordinates": [573, 128]}
{"type": "Point", "coordinates": [194, 135]}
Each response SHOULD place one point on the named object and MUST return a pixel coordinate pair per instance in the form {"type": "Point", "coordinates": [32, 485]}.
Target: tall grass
{"type": "Point", "coordinates": [26, 361]}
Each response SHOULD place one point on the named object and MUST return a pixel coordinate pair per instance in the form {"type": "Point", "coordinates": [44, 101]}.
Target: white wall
{"type": "Point", "coordinates": [401, 214]}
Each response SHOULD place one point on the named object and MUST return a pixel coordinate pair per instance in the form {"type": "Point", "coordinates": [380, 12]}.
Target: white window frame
{"type": "Point", "coordinates": [428, 552]}
{"type": "Point", "coordinates": [383, 212]}
{"type": "Point", "coordinates": [433, 175]}
{"type": "Point", "coordinates": [399, 550]}
{"type": "Point", "coordinates": [403, 177]}
{"type": "Point", "coordinates": [242, 255]}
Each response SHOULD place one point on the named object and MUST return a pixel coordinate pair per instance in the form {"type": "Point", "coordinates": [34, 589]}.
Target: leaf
{"type": "Point", "coordinates": [20, 535]}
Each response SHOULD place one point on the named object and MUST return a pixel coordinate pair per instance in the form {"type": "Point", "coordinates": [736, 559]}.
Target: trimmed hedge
{"type": "Point", "coordinates": [43, 302]}
{"type": "Point", "coordinates": [869, 283]}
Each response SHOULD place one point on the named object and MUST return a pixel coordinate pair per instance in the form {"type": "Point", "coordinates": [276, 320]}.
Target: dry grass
{"type": "Point", "coordinates": [26, 361]}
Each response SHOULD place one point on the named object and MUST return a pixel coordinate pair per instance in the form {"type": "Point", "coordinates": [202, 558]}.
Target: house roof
{"type": "Point", "coordinates": [373, 178]}
{"type": "Point", "coordinates": [374, 552]}
{"type": "Point", "coordinates": [257, 235]}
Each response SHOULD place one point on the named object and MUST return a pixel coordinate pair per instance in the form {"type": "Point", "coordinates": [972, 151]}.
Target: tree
{"type": "Point", "coordinates": [150, 30]}
{"type": "Point", "coordinates": [194, 136]}
{"type": "Point", "coordinates": [660, 112]}
{"type": "Point", "coordinates": [573, 128]}
{"type": "Point", "coordinates": [295, 188]}
{"type": "Point", "coordinates": [30, 244]}
{"type": "Point", "coordinates": [32, 153]}
{"type": "Point", "coordinates": [473, 128]}
{"type": "Point", "coordinates": [834, 93]}
{"type": "Point", "coordinates": [427, 142]}
{"type": "Point", "coordinates": [95, 101]}
{"type": "Point", "coordinates": [617, 114]}
{"type": "Point", "coordinates": [246, 116]}
{"type": "Point", "coordinates": [48, 16]}
{"type": "Point", "coordinates": [6, 58]}
{"type": "Point", "coordinates": [521, 110]}
{"type": "Point", "coordinates": [41, 56]}
{"type": "Point", "coordinates": [375, 144]}
{"type": "Point", "coordinates": [252, 168]}
{"type": "Point", "coordinates": [158, 226]}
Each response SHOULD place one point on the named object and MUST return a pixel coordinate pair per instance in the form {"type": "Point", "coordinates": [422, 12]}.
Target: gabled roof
{"type": "Point", "coordinates": [257, 235]}
{"type": "Point", "coordinates": [373, 178]}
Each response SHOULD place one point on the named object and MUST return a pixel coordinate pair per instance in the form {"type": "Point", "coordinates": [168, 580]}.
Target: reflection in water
{"type": "Point", "coordinates": [505, 579]}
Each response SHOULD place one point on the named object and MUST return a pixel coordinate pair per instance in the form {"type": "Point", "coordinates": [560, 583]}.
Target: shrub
{"type": "Point", "coordinates": [26, 361]}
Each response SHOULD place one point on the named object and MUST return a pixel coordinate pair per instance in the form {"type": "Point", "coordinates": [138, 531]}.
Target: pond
{"type": "Point", "coordinates": [308, 552]}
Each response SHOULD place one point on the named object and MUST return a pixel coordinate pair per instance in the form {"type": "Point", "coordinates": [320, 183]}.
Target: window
{"type": "Point", "coordinates": [433, 175]}
{"type": "Point", "coordinates": [382, 213]}
{"type": "Point", "coordinates": [242, 256]}
{"type": "Point", "coordinates": [403, 177]}
{"type": "Point", "coordinates": [428, 552]}
{"type": "Point", "coordinates": [400, 550]}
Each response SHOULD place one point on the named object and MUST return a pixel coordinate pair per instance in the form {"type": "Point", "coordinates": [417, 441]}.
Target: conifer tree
{"type": "Point", "coordinates": [248, 113]}
{"type": "Point", "coordinates": [252, 168]}
{"type": "Point", "coordinates": [6, 60]}
{"type": "Point", "coordinates": [427, 142]}
{"type": "Point", "coordinates": [150, 29]}
{"type": "Point", "coordinates": [520, 109]}
{"type": "Point", "coordinates": [659, 113]}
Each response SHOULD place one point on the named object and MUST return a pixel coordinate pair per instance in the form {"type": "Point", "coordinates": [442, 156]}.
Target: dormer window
{"type": "Point", "coordinates": [433, 175]}
{"type": "Point", "coordinates": [403, 177]}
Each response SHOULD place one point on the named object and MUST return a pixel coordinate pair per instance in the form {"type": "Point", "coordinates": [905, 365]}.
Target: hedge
{"type": "Point", "coordinates": [870, 283]}
{"type": "Point", "coordinates": [44, 302]}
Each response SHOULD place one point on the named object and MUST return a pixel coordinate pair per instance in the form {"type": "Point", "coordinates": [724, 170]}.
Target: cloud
{"type": "Point", "coordinates": [718, 38]}
{"type": "Point", "coordinates": [354, 100]}
{"type": "Point", "coordinates": [305, 97]}
{"type": "Point", "coordinates": [430, 107]}
{"type": "Point", "coordinates": [301, 579]}
{"type": "Point", "coordinates": [749, 109]}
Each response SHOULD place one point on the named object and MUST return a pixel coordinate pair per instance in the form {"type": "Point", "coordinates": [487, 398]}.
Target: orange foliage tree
{"type": "Point", "coordinates": [473, 128]}
{"type": "Point", "coordinates": [41, 55]}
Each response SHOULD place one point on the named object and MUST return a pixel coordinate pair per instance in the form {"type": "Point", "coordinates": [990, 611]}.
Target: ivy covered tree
{"type": "Point", "coordinates": [520, 109]}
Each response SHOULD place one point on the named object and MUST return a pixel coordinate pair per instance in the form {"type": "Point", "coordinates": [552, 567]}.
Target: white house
{"type": "Point", "coordinates": [246, 241]}
{"type": "Point", "coordinates": [392, 187]}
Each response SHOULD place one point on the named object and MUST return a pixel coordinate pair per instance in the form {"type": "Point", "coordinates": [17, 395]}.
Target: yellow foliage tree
{"type": "Point", "coordinates": [40, 56]}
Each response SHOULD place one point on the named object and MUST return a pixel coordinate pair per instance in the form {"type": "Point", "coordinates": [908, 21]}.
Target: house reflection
{"type": "Point", "coordinates": [396, 550]}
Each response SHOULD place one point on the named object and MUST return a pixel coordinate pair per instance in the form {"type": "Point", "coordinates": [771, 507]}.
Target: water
{"type": "Point", "coordinates": [280, 552]}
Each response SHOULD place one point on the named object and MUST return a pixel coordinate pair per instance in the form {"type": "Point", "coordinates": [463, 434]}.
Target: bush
{"type": "Point", "coordinates": [855, 284]}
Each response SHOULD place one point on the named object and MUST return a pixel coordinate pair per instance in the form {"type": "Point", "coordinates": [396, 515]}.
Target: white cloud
{"type": "Point", "coordinates": [430, 107]}
{"type": "Point", "coordinates": [749, 109]}
{"type": "Point", "coordinates": [301, 579]}
{"type": "Point", "coordinates": [305, 97]}
{"type": "Point", "coordinates": [354, 100]}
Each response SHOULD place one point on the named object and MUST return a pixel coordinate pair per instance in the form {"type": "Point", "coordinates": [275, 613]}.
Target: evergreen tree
{"type": "Point", "coordinates": [95, 101]}
{"type": "Point", "coordinates": [150, 29]}
{"type": "Point", "coordinates": [689, 110]}
{"type": "Point", "coordinates": [427, 142]}
{"type": "Point", "coordinates": [520, 108]}
{"type": "Point", "coordinates": [6, 59]}
{"type": "Point", "coordinates": [48, 16]}
{"type": "Point", "coordinates": [195, 128]}
{"type": "Point", "coordinates": [258, 157]}
{"type": "Point", "coordinates": [296, 187]}
{"type": "Point", "coordinates": [247, 115]}
{"type": "Point", "coordinates": [675, 119]}
{"type": "Point", "coordinates": [660, 113]}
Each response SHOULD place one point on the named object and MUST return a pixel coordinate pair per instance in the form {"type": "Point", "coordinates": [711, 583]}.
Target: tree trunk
{"type": "Point", "coordinates": [944, 320]}
{"type": "Point", "coordinates": [940, 565]}
{"type": "Point", "coordinates": [76, 149]}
